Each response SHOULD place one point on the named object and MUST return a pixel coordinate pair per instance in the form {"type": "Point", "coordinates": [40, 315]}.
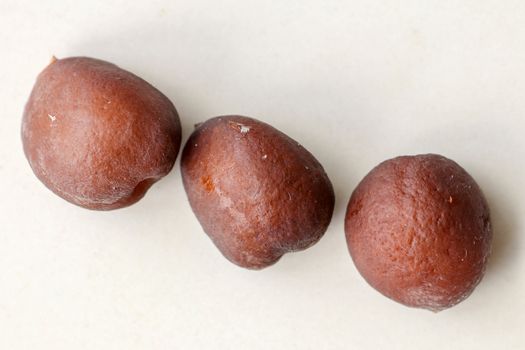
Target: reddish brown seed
{"type": "Point", "coordinates": [256, 192]}
{"type": "Point", "coordinates": [418, 229]}
{"type": "Point", "coordinates": [96, 135]}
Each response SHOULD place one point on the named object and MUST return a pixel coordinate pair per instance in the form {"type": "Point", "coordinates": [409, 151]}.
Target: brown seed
{"type": "Point", "coordinates": [255, 191]}
{"type": "Point", "coordinates": [418, 229]}
{"type": "Point", "coordinates": [96, 135]}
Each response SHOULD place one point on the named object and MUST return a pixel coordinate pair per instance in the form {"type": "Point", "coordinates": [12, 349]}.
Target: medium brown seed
{"type": "Point", "coordinates": [96, 135]}
{"type": "Point", "coordinates": [418, 229]}
{"type": "Point", "coordinates": [257, 193]}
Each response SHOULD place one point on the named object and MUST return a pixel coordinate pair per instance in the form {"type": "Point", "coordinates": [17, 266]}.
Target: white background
{"type": "Point", "coordinates": [356, 82]}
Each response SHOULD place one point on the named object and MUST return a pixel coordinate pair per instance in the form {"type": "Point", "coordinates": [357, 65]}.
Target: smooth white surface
{"type": "Point", "coordinates": [356, 82]}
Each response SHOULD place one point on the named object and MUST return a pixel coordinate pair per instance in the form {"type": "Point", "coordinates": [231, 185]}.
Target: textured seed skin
{"type": "Point", "coordinates": [256, 192]}
{"type": "Point", "coordinates": [97, 135]}
{"type": "Point", "coordinates": [418, 229]}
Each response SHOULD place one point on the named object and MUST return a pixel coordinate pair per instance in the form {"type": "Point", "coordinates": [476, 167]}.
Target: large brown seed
{"type": "Point", "coordinates": [97, 135]}
{"type": "Point", "coordinates": [256, 192]}
{"type": "Point", "coordinates": [418, 229]}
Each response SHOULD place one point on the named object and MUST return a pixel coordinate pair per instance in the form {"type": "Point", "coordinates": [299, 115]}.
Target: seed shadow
{"type": "Point", "coordinates": [504, 223]}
